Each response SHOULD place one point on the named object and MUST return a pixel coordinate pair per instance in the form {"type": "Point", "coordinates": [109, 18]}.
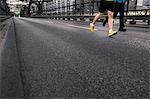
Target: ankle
{"type": "Point", "coordinates": [110, 30]}
{"type": "Point", "coordinates": [92, 24]}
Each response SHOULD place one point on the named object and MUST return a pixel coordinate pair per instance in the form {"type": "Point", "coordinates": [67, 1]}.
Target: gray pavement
{"type": "Point", "coordinates": [52, 59]}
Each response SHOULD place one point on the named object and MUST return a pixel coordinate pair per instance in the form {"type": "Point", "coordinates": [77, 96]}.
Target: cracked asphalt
{"type": "Point", "coordinates": [53, 59]}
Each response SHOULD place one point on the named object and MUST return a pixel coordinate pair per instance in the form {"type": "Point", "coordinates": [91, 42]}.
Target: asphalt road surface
{"type": "Point", "coordinates": [53, 59]}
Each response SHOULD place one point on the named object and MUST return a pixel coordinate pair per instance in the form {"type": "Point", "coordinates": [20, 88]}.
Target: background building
{"type": "Point", "coordinates": [16, 5]}
{"type": "Point", "coordinates": [58, 7]}
{"type": "Point", "coordinates": [73, 7]}
{"type": "Point", "coordinates": [139, 4]}
{"type": "Point", "coordinates": [50, 7]}
{"type": "Point", "coordinates": [70, 7]}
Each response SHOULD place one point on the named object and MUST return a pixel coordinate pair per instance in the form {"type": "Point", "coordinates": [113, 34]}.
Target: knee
{"type": "Point", "coordinates": [110, 14]}
{"type": "Point", "coordinates": [99, 13]}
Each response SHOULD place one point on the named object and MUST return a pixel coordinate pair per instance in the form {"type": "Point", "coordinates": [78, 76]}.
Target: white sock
{"type": "Point", "coordinates": [92, 24]}
{"type": "Point", "coordinates": [110, 30]}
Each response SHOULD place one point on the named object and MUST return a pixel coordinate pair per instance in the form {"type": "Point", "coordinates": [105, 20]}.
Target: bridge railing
{"type": "Point", "coordinates": [4, 13]}
{"type": "Point", "coordinates": [133, 15]}
{"type": "Point", "coordinates": [4, 17]}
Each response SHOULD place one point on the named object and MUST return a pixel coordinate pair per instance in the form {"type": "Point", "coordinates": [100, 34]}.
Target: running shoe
{"type": "Point", "coordinates": [112, 33]}
{"type": "Point", "coordinates": [122, 29]}
{"type": "Point", "coordinates": [91, 27]}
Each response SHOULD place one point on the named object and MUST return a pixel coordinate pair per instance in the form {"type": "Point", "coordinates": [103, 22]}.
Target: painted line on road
{"type": "Point", "coordinates": [50, 21]}
{"type": "Point", "coordinates": [81, 27]}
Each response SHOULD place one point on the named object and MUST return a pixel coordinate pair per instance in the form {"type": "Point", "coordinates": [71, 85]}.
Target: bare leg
{"type": "Point", "coordinates": [110, 20]}
{"type": "Point", "coordinates": [98, 15]}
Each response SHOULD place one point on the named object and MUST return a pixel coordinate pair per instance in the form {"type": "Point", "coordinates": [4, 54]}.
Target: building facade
{"type": "Point", "coordinates": [70, 7]}
{"type": "Point", "coordinates": [138, 4]}
{"type": "Point", "coordinates": [16, 5]}
{"type": "Point", "coordinates": [58, 6]}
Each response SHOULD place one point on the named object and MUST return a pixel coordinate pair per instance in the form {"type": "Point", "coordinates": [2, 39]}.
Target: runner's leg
{"type": "Point", "coordinates": [110, 20]}
{"type": "Point", "coordinates": [98, 16]}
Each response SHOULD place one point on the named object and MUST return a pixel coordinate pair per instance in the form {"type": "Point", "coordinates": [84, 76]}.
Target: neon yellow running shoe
{"type": "Point", "coordinates": [112, 33]}
{"type": "Point", "coordinates": [92, 27]}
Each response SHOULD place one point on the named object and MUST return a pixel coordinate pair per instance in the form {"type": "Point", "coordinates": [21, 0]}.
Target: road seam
{"type": "Point", "coordinates": [19, 61]}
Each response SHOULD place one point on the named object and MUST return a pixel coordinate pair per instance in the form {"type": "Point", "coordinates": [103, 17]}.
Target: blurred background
{"type": "Point", "coordinates": [60, 7]}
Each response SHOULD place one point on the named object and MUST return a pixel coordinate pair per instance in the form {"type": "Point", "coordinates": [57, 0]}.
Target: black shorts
{"type": "Point", "coordinates": [106, 5]}
{"type": "Point", "coordinates": [119, 7]}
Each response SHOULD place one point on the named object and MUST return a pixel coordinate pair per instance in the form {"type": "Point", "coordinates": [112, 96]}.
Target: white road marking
{"type": "Point", "coordinates": [50, 22]}
{"type": "Point", "coordinates": [81, 27]}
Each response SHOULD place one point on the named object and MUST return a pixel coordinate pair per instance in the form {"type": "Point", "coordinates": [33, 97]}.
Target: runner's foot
{"type": "Point", "coordinates": [122, 29]}
{"type": "Point", "coordinates": [112, 33]}
{"type": "Point", "coordinates": [91, 27]}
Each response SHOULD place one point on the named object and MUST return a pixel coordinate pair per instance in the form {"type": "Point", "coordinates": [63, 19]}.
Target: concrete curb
{"type": "Point", "coordinates": [11, 85]}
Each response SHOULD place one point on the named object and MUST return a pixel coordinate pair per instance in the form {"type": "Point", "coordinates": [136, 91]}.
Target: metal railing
{"type": "Point", "coordinates": [4, 11]}
{"type": "Point", "coordinates": [86, 10]}
{"type": "Point", "coordinates": [132, 14]}
{"type": "Point", "coordinates": [4, 17]}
